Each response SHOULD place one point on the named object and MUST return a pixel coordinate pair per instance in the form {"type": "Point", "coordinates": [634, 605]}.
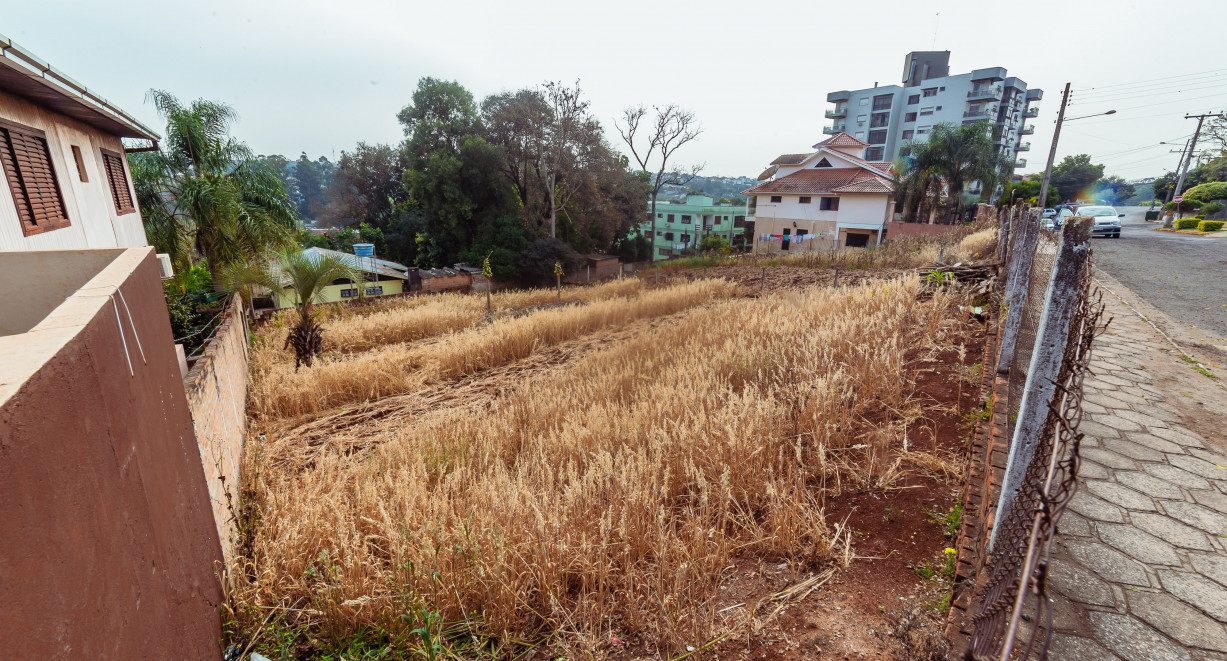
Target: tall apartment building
{"type": "Point", "coordinates": [886, 117]}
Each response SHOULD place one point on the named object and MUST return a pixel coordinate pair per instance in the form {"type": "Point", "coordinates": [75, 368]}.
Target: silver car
{"type": "Point", "coordinates": [1107, 221]}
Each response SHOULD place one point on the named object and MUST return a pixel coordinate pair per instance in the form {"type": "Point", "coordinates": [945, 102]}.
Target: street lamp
{"type": "Point", "coordinates": [1052, 151]}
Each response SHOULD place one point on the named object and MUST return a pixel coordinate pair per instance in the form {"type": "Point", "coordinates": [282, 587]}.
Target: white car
{"type": "Point", "coordinates": [1107, 221]}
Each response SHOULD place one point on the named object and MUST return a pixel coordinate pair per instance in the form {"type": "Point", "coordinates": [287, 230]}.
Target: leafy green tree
{"type": "Point", "coordinates": [1074, 175]}
{"type": "Point", "coordinates": [537, 261]}
{"type": "Point", "coordinates": [205, 190]}
{"type": "Point", "coordinates": [1112, 189]}
{"type": "Point", "coordinates": [313, 178]}
{"type": "Point", "coordinates": [368, 185]}
{"type": "Point", "coordinates": [1206, 192]}
{"type": "Point", "coordinates": [715, 245]}
{"type": "Point", "coordinates": [957, 155]}
{"type": "Point", "coordinates": [441, 115]}
{"type": "Point", "coordinates": [1028, 190]}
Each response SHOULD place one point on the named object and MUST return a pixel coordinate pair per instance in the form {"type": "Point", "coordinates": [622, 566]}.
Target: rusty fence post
{"type": "Point", "coordinates": [1060, 303]}
{"type": "Point", "coordinates": [1025, 234]}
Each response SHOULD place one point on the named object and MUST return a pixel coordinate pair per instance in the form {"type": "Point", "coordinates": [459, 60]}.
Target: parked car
{"type": "Point", "coordinates": [1058, 219]}
{"type": "Point", "coordinates": [1107, 221]}
{"type": "Point", "coordinates": [1049, 213]}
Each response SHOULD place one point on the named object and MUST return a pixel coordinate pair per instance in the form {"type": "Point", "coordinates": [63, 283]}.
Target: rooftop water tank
{"type": "Point", "coordinates": [364, 249]}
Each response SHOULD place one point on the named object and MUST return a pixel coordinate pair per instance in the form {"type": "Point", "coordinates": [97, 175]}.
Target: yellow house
{"type": "Point", "coordinates": [379, 277]}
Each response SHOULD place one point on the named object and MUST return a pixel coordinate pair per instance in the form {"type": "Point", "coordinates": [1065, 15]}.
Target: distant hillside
{"type": "Point", "coordinates": [714, 187]}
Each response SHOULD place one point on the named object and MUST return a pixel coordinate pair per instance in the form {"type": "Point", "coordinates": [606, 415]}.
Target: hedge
{"type": "Point", "coordinates": [1187, 223]}
{"type": "Point", "coordinates": [1186, 205]}
{"type": "Point", "coordinates": [1212, 208]}
{"type": "Point", "coordinates": [1210, 225]}
{"type": "Point", "coordinates": [1214, 190]}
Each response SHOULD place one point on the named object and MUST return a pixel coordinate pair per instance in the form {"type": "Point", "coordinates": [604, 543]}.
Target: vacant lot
{"type": "Point", "coordinates": [645, 472]}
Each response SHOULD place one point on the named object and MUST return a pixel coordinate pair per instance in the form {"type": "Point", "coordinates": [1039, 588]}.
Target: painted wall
{"type": "Point", "coordinates": [91, 211]}
{"type": "Point", "coordinates": [772, 218]}
{"type": "Point", "coordinates": [332, 293]}
{"type": "Point", "coordinates": [216, 389]}
{"type": "Point", "coordinates": [107, 542]}
{"type": "Point", "coordinates": [702, 210]}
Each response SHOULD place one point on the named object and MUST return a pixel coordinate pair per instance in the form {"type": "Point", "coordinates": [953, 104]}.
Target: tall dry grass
{"type": "Point", "coordinates": [280, 391]}
{"type": "Point", "coordinates": [613, 496]}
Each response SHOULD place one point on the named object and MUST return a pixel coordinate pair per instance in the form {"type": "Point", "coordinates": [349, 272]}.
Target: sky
{"type": "Point", "coordinates": [321, 76]}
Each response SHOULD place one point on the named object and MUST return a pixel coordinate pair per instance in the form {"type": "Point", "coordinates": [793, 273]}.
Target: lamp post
{"type": "Point", "coordinates": [1052, 151]}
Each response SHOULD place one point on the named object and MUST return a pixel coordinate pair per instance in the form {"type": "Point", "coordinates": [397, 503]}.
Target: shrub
{"type": "Point", "coordinates": [1214, 190]}
{"type": "Point", "coordinates": [1212, 208]}
{"type": "Point", "coordinates": [537, 261]}
{"type": "Point", "coordinates": [1187, 224]}
{"type": "Point", "coordinates": [716, 245]}
{"type": "Point", "coordinates": [1201, 216]}
{"type": "Point", "coordinates": [1210, 225]}
{"type": "Point", "coordinates": [1186, 205]}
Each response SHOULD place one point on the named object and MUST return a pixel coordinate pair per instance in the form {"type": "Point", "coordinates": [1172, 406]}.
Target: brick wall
{"type": "Point", "coordinates": [898, 230]}
{"type": "Point", "coordinates": [216, 389]}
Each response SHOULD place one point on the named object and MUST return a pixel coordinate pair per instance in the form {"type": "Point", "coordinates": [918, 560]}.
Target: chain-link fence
{"type": "Point", "coordinates": [1056, 317]}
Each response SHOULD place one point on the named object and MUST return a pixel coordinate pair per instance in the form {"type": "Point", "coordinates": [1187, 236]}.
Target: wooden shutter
{"type": "Point", "coordinates": [118, 180]}
{"type": "Point", "coordinates": [31, 178]}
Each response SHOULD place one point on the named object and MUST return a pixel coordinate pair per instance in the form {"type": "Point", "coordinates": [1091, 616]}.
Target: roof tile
{"type": "Point", "coordinates": [842, 140]}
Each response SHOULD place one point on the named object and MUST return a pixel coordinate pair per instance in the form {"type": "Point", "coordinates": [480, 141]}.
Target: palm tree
{"type": "Point", "coordinates": [958, 155]}
{"type": "Point", "coordinates": [302, 276]}
{"type": "Point", "coordinates": [205, 191]}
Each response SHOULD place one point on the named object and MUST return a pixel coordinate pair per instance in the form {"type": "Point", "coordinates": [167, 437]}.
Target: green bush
{"type": "Point", "coordinates": [1210, 225]}
{"type": "Point", "coordinates": [1199, 217]}
{"type": "Point", "coordinates": [1187, 224]}
{"type": "Point", "coordinates": [1186, 205]}
{"type": "Point", "coordinates": [1214, 190]}
{"type": "Point", "coordinates": [715, 245]}
{"type": "Point", "coordinates": [1212, 208]}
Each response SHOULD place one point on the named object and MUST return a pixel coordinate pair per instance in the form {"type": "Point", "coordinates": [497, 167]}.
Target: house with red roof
{"type": "Point", "coordinates": [831, 197]}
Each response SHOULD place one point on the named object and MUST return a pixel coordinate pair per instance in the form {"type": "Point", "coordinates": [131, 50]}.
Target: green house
{"type": "Point", "coordinates": [682, 226]}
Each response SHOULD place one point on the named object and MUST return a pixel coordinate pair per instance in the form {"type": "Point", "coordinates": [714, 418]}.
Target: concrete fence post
{"type": "Point", "coordinates": [1022, 253]}
{"type": "Point", "coordinates": [1061, 301]}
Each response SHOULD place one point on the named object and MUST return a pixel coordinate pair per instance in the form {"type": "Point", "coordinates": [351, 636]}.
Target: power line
{"type": "Point", "coordinates": [1145, 93]}
{"type": "Point", "coordinates": [1141, 82]}
{"type": "Point", "coordinates": [1091, 92]}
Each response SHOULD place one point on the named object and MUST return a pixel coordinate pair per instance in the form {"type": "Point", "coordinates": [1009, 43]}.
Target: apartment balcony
{"type": "Point", "coordinates": [837, 112]}
{"type": "Point", "coordinates": [1020, 163]}
{"type": "Point", "coordinates": [1023, 146]}
{"type": "Point", "coordinates": [1029, 129]}
{"type": "Point", "coordinates": [976, 115]}
{"type": "Point", "coordinates": [1031, 112]}
{"type": "Point", "coordinates": [990, 92]}
{"type": "Point", "coordinates": [836, 128]}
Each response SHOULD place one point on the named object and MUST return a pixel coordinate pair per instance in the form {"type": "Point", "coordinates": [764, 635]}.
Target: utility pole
{"type": "Point", "coordinates": [1042, 201]}
{"type": "Point", "coordinates": [1192, 145]}
{"type": "Point", "coordinates": [1171, 188]}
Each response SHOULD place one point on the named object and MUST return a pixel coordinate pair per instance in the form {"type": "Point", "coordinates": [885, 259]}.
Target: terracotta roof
{"type": "Point", "coordinates": [768, 173]}
{"type": "Point", "coordinates": [884, 166]}
{"type": "Point", "coordinates": [825, 180]}
{"type": "Point", "coordinates": [789, 159]}
{"type": "Point", "coordinates": [841, 140]}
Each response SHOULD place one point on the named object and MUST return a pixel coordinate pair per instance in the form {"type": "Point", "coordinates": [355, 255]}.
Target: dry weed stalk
{"type": "Point", "coordinates": [613, 495]}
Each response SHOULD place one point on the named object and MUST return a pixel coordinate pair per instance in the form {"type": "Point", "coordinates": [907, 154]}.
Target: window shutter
{"type": "Point", "coordinates": [118, 181]}
{"type": "Point", "coordinates": [31, 178]}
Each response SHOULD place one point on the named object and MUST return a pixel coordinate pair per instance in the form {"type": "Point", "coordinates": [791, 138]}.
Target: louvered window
{"type": "Point", "coordinates": [31, 178]}
{"type": "Point", "coordinates": [118, 181]}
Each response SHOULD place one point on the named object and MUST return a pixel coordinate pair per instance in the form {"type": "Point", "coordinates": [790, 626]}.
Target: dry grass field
{"type": "Point", "coordinates": [607, 479]}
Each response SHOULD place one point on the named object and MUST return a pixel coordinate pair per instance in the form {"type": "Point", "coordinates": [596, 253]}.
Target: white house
{"type": "Point", "coordinates": [832, 196]}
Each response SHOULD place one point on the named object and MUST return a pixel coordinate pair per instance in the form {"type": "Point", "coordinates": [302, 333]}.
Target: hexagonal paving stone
{"type": "Point", "coordinates": [1132, 450]}
{"type": "Point", "coordinates": [1119, 494]}
{"type": "Point", "coordinates": [1138, 545]}
{"type": "Point", "coordinates": [1132, 640]}
{"type": "Point", "coordinates": [1089, 470]}
{"type": "Point", "coordinates": [1209, 455]}
{"type": "Point", "coordinates": [1109, 563]}
{"type": "Point", "coordinates": [1073, 524]}
{"type": "Point", "coordinates": [1117, 378]}
{"type": "Point", "coordinates": [1065, 646]}
{"type": "Point", "coordinates": [1141, 418]}
{"type": "Point", "coordinates": [1077, 584]}
{"type": "Point", "coordinates": [1154, 442]}
{"type": "Point", "coordinates": [1213, 566]}
{"type": "Point", "coordinates": [1091, 407]}
{"type": "Point", "coordinates": [1107, 401]}
{"type": "Point", "coordinates": [1196, 590]}
{"type": "Point", "coordinates": [1187, 625]}
{"type": "Point", "coordinates": [1181, 436]}
{"type": "Point", "coordinates": [1149, 484]}
{"type": "Point", "coordinates": [1199, 466]}
{"type": "Point", "coordinates": [1176, 476]}
{"type": "Point", "coordinates": [1109, 458]}
{"type": "Point", "coordinates": [1096, 509]}
{"type": "Point", "coordinates": [1197, 516]}
{"type": "Point", "coordinates": [1097, 430]}
{"type": "Point", "coordinates": [1212, 499]}
{"type": "Point", "coordinates": [1113, 420]}
{"type": "Point", "coordinates": [1167, 528]}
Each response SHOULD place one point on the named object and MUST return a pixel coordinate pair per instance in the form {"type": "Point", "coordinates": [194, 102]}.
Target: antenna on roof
{"type": "Point", "coordinates": [936, 23]}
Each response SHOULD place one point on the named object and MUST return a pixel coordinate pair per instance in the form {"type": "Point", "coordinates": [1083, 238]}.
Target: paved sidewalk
{"type": "Point", "coordinates": [1139, 567]}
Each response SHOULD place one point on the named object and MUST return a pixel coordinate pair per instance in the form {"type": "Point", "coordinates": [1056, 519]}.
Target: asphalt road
{"type": "Point", "coordinates": [1183, 275]}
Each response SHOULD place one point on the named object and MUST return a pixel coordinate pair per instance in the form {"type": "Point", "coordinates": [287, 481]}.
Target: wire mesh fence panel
{"type": "Point", "coordinates": [1019, 561]}
{"type": "Point", "coordinates": [1031, 313]}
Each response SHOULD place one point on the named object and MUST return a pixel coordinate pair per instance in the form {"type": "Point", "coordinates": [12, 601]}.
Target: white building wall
{"type": "Point", "coordinates": [91, 211]}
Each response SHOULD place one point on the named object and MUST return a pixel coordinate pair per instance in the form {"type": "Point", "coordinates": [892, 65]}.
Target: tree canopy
{"type": "Point", "coordinates": [1074, 175]}
{"type": "Point", "coordinates": [955, 156]}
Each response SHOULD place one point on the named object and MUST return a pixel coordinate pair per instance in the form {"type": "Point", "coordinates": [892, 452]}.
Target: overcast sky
{"type": "Point", "coordinates": [320, 76]}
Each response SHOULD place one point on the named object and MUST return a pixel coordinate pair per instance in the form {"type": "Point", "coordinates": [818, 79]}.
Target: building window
{"type": "Point", "coordinates": [118, 179]}
{"type": "Point", "coordinates": [856, 240]}
{"type": "Point", "coordinates": [926, 112]}
{"type": "Point", "coordinates": [76, 156]}
{"type": "Point", "coordinates": [932, 91]}
{"type": "Point", "coordinates": [913, 99]}
{"type": "Point", "coordinates": [907, 135]}
{"type": "Point", "coordinates": [824, 163]}
{"type": "Point", "coordinates": [877, 137]}
{"type": "Point", "coordinates": [668, 236]}
{"type": "Point", "coordinates": [660, 215]}
{"type": "Point", "coordinates": [860, 119]}
{"type": "Point", "coordinates": [860, 135]}
{"type": "Point", "coordinates": [739, 221]}
{"type": "Point", "coordinates": [659, 233]}
{"type": "Point", "coordinates": [670, 219]}
{"type": "Point", "coordinates": [685, 218]}
{"type": "Point", "coordinates": [939, 108]}
{"type": "Point", "coordinates": [941, 89]}
{"type": "Point", "coordinates": [882, 102]}
{"type": "Point", "coordinates": [685, 238]}
{"type": "Point", "coordinates": [909, 117]}
{"type": "Point", "coordinates": [786, 240]}
{"type": "Point", "coordinates": [864, 101]}
{"type": "Point", "coordinates": [31, 178]}
{"type": "Point", "coordinates": [777, 198]}
{"type": "Point", "coordinates": [873, 154]}
{"type": "Point", "coordinates": [922, 130]}
{"type": "Point", "coordinates": [804, 200]}
{"type": "Point", "coordinates": [828, 204]}
{"type": "Point", "coordinates": [879, 120]}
